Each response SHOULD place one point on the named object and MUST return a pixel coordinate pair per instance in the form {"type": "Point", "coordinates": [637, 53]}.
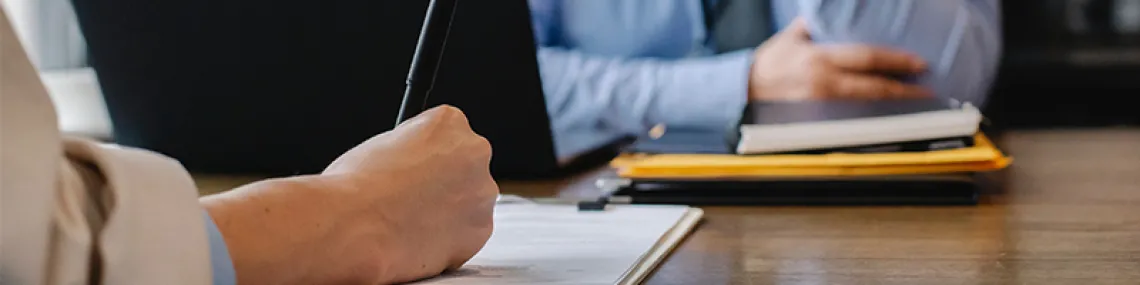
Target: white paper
{"type": "Point", "coordinates": [557, 244]}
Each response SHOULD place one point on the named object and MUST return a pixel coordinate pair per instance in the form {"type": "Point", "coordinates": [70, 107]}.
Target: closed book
{"type": "Point", "coordinates": [851, 125]}
{"type": "Point", "coordinates": [913, 146]}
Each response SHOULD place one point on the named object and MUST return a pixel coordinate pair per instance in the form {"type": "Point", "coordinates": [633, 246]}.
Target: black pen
{"type": "Point", "coordinates": [585, 205]}
{"type": "Point", "coordinates": [425, 61]}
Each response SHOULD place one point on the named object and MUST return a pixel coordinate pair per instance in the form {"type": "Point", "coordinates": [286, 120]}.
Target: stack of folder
{"type": "Point", "coordinates": [981, 157]}
{"type": "Point", "coordinates": [850, 155]}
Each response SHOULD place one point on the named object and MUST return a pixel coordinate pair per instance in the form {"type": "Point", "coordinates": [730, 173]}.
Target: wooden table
{"type": "Point", "coordinates": [1069, 213]}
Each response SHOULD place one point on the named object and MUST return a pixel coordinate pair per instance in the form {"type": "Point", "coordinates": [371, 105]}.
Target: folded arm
{"type": "Point", "coordinates": [960, 39]}
{"type": "Point", "coordinates": [609, 93]}
{"type": "Point", "coordinates": [632, 95]}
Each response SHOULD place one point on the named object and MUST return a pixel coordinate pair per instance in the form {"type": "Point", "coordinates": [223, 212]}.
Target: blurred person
{"type": "Point", "coordinates": [402, 206]}
{"type": "Point", "coordinates": [621, 67]}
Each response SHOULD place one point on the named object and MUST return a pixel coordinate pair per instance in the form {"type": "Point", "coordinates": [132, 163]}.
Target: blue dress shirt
{"type": "Point", "coordinates": [220, 262]}
{"type": "Point", "coordinates": [619, 67]}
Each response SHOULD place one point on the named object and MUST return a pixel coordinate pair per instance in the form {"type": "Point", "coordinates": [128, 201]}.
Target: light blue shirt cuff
{"type": "Point", "coordinates": [220, 262]}
{"type": "Point", "coordinates": [710, 94]}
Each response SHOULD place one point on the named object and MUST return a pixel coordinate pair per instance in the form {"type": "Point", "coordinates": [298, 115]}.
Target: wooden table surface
{"type": "Point", "coordinates": [1068, 213]}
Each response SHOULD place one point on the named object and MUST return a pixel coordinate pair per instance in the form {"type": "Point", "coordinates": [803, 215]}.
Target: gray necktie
{"type": "Point", "coordinates": [738, 24]}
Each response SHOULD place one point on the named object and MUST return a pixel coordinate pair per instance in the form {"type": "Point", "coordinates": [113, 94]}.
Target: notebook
{"type": "Point", "coordinates": [558, 244]}
{"type": "Point", "coordinates": [807, 126]}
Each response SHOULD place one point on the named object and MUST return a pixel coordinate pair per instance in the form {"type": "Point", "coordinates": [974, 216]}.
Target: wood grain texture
{"type": "Point", "coordinates": [1066, 212]}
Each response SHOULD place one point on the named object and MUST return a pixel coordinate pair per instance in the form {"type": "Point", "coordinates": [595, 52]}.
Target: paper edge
{"type": "Point", "coordinates": [664, 247]}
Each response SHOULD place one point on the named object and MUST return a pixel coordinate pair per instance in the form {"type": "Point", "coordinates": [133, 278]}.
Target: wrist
{"type": "Point", "coordinates": [754, 78]}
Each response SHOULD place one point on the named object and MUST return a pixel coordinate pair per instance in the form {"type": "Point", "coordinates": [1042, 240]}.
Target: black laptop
{"type": "Point", "coordinates": [283, 87]}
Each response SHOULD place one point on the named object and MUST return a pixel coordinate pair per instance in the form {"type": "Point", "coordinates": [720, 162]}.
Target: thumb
{"type": "Point", "coordinates": [797, 29]}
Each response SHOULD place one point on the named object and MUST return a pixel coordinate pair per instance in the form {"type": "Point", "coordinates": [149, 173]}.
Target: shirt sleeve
{"type": "Point", "coordinates": [632, 95]}
{"type": "Point", "coordinates": [220, 262]}
{"type": "Point", "coordinates": [960, 39]}
{"type": "Point", "coordinates": [628, 96]}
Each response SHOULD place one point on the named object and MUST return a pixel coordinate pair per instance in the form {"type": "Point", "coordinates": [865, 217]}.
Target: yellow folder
{"type": "Point", "coordinates": [983, 156]}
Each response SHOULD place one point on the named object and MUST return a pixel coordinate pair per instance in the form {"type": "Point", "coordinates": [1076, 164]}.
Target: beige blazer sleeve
{"type": "Point", "coordinates": [74, 211]}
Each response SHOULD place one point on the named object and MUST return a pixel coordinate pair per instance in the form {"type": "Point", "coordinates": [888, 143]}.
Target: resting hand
{"type": "Point", "coordinates": [789, 67]}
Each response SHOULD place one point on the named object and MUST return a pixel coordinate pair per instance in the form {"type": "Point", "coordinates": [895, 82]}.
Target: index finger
{"type": "Point", "coordinates": [870, 58]}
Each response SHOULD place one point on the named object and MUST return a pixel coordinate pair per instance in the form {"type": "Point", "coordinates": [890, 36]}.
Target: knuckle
{"type": "Point", "coordinates": [449, 110]}
{"type": "Point", "coordinates": [819, 75]}
{"type": "Point", "coordinates": [881, 90]}
{"type": "Point", "coordinates": [819, 90]}
{"type": "Point", "coordinates": [493, 188]}
{"type": "Point", "coordinates": [821, 84]}
{"type": "Point", "coordinates": [852, 87]}
{"type": "Point", "coordinates": [457, 117]}
{"type": "Point", "coordinates": [489, 192]}
{"type": "Point", "coordinates": [445, 113]}
{"type": "Point", "coordinates": [481, 146]}
{"type": "Point", "coordinates": [815, 58]}
{"type": "Point", "coordinates": [866, 57]}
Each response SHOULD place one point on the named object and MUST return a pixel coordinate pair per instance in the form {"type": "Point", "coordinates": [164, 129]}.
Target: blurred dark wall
{"type": "Point", "coordinates": [1068, 63]}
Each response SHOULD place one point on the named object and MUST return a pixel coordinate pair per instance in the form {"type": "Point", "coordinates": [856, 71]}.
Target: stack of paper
{"type": "Point", "coordinates": [558, 244]}
{"type": "Point", "coordinates": [983, 156]}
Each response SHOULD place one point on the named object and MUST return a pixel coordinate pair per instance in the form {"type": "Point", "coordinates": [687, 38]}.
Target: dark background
{"type": "Point", "coordinates": [1054, 75]}
{"type": "Point", "coordinates": [1067, 63]}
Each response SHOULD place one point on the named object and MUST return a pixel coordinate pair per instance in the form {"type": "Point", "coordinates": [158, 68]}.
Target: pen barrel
{"type": "Point", "coordinates": [426, 59]}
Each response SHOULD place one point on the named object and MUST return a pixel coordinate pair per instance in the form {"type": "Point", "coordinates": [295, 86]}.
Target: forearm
{"type": "Point", "coordinates": [280, 231]}
{"type": "Point", "coordinates": [251, 245]}
{"type": "Point", "coordinates": [632, 95]}
{"type": "Point", "coordinates": [959, 39]}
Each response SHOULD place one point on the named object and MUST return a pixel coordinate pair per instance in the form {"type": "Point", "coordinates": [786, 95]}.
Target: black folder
{"type": "Point", "coordinates": [948, 189]}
